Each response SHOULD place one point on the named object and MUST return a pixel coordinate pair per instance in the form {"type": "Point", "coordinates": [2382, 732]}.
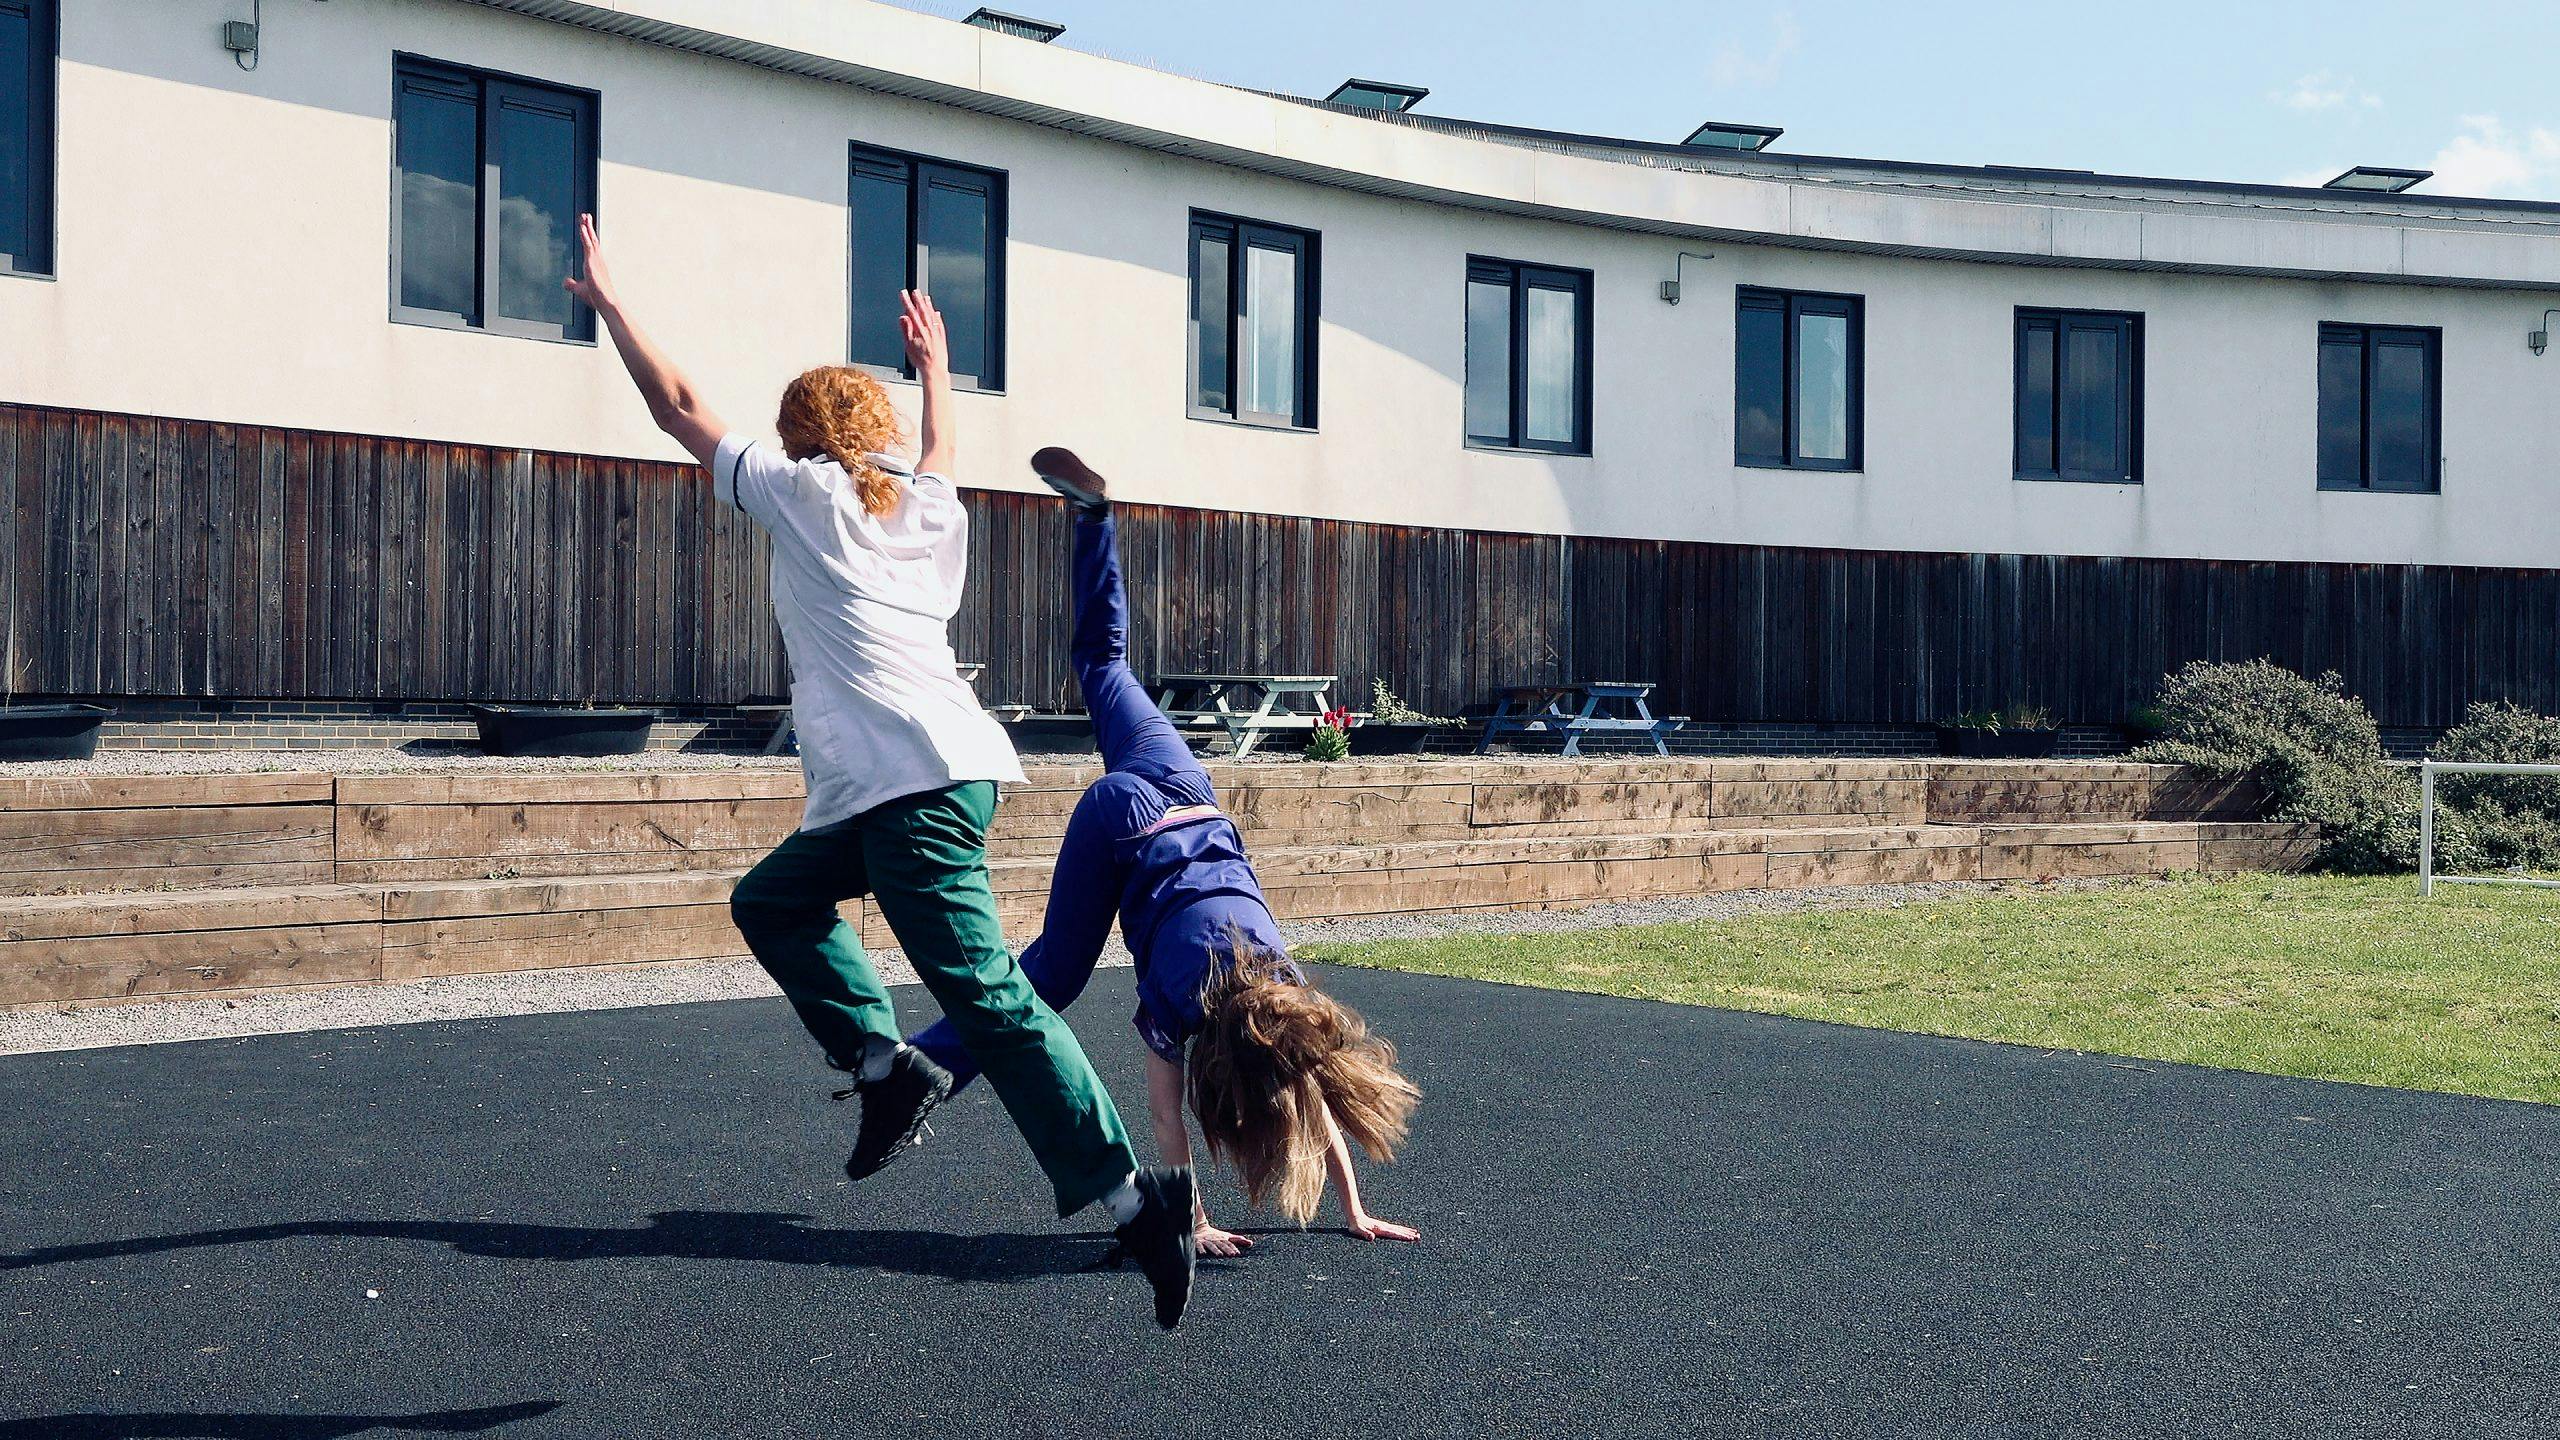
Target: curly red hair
{"type": "Point", "coordinates": [844, 414]}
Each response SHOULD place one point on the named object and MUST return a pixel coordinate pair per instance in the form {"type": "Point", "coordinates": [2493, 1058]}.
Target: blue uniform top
{"type": "Point", "coordinates": [1190, 896]}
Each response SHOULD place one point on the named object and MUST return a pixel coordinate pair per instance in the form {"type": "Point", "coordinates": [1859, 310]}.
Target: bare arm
{"type": "Point", "coordinates": [1337, 1159]}
{"type": "Point", "coordinates": [1173, 1147]}
{"type": "Point", "coordinates": [673, 402]}
{"type": "Point", "coordinates": [929, 350]}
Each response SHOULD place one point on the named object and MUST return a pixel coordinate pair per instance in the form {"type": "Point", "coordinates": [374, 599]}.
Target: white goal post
{"type": "Point", "coordinates": [2428, 770]}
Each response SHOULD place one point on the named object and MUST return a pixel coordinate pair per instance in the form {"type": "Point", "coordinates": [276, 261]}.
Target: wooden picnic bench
{"type": "Point", "coordinates": [1247, 707]}
{"type": "Point", "coordinates": [1577, 711]}
{"type": "Point", "coordinates": [783, 729]}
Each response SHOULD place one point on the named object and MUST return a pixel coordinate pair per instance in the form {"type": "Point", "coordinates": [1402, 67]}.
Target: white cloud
{"type": "Point", "coordinates": [2490, 159]}
{"type": "Point", "coordinates": [2322, 90]}
{"type": "Point", "coordinates": [1735, 67]}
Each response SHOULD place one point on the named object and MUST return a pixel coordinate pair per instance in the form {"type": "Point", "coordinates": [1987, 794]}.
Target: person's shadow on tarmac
{"type": "Point", "coordinates": [179, 1425]}
{"type": "Point", "coordinates": [770, 1236]}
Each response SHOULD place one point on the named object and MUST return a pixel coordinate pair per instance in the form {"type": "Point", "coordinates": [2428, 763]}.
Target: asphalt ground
{"type": "Point", "coordinates": [1639, 1220]}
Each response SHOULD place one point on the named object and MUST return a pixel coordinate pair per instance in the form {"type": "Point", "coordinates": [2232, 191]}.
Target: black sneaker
{"type": "Point", "coordinates": [893, 1111]}
{"type": "Point", "coordinates": [1071, 477]}
{"type": "Point", "coordinates": [1160, 1239]}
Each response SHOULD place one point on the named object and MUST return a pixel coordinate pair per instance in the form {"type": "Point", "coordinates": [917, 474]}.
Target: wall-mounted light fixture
{"type": "Point", "coordinates": [1671, 287]}
{"type": "Point", "coordinates": [2535, 341]}
{"type": "Point", "coordinates": [240, 37]}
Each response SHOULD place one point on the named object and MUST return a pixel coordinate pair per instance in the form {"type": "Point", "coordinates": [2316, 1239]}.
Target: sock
{"type": "Point", "coordinates": [877, 1054]}
{"type": "Point", "coordinates": [1123, 1202]}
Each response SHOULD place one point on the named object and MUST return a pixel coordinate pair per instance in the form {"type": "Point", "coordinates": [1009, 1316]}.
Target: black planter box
{"type": "Point", "coordinates": [1376, 739]}
{"type": "Point", "coordinates": [1052, 734]}
{"type": "Point", "coordinates": [50, 732]}
{"type": "Point", "coordinates": [561, 730]}
{"type": "Point", "coordinates": [1967, 743]}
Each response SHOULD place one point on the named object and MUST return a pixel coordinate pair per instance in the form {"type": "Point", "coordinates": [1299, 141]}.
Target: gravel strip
{"type": "Point", "coordinates": [387, 762]}
{"type": "Point", "coordinates": [616, 987]}
{"type": "Point", "coordinates": [367, 761]}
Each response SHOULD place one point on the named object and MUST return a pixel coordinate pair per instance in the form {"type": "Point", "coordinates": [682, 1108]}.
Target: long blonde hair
{"type": "Point", "coordinates": [843, 414]}
{"type": "Point", "coordinates": [1272, 1059]}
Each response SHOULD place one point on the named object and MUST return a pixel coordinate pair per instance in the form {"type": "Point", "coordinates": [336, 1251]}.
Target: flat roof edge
{"type": "Point", "coordinates": [646, 20]}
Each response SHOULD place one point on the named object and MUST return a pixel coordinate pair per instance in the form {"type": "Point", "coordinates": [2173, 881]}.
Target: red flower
{"type": "Point", "coordinates": [1338, 718]}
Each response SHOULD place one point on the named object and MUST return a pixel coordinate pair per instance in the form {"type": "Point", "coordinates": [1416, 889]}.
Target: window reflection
{"type": "Point", "coordinates": [1270, 359]}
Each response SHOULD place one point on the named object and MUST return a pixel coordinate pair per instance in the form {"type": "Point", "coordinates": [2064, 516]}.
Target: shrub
{"type": "Point", "coordinates": [2508, 821]}
{"type": "Point", "coordinates": [2313, 747]}
{"type": "Point", "coordinates": [1386, 708]}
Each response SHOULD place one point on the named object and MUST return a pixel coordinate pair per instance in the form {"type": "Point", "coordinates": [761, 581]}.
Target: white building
{"type": "Point", "coordinates": [1912, 438]}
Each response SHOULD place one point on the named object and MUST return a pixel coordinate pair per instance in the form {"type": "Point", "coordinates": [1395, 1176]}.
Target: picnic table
{"type": "Point", "coordinates": [783, 730]}
{"type": "Point", "coordinates": [1248, 707]}
{"type": "Point", "coordinates": [1585, 708]}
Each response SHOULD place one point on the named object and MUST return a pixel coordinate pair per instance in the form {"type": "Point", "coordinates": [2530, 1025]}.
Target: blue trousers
{"type": "Point", "coordinates": [1148, 770]}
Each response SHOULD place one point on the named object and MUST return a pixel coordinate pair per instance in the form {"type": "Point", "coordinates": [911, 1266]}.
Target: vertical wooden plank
{"type": "Point", "coordinates": [17, 474]}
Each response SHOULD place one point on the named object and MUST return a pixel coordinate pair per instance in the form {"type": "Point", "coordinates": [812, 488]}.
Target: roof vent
{"type": "Point", "coordinates": [1021, 27]}
{"type": "Point", "coordinates": [1717, 135]}
{"type": "Point", "coordinates": [2380, 179]}
{"type": "Point", "coordinates": [1377, 95]}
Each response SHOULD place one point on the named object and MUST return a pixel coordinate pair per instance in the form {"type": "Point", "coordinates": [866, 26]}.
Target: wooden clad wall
{"type": "Point", "coordinates": [154, 557]}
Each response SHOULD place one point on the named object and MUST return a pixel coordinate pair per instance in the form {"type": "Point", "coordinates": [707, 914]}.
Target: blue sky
{"type": "Point", "coordinates": [2262, 90]}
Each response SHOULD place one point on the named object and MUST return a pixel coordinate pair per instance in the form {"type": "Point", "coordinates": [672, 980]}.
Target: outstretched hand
{"type": "Point", "coordinates": [593, 285]}
{"type": "Point", "coordinates": [1370, 1227]}
{"type": "Point", "coordinates": [928, 343]}
{"type": "Point", "coordinates": [1220, 1244]}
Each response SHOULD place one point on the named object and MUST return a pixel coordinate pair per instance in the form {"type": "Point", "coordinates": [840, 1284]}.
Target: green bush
{"type": "Point", "coordinates": [2313, 747]}
{"type": "Point", "coordinates": [2509, 822]}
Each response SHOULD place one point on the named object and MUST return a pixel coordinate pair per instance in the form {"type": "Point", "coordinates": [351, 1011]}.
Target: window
{"type": "Point", "coordinates": [923, 225]}
{"type": "Point", "coordinates": [2381, 403]}
{"type": "Point", "coordinates": [1253, 322]}
{"type": "Point", "coordinates": [493, 173]}
{"type": "Point", "coordinates": [2079, 396]}
{"type": "Point", "coordinates": [26, 137]}
{"type": "Point", "coordinates": [1799, 380]}
{"type": "Point", "coordinates": [1528, 357]}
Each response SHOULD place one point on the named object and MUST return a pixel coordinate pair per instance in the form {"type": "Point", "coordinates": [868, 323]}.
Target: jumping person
{"type": "Point", "coordinates": [868, 559]}
{"type": "Point", "coordinates": [1277, 1070]}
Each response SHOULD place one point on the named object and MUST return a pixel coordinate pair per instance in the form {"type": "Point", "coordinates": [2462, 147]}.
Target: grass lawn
{"type": "Point", "coordinates": [2330, 978]}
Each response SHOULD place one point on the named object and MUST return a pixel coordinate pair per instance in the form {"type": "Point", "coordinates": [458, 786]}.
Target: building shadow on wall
{"type": "Point", "coordinates": [181, 1425]}
{"type": "Point", "coordinates": [771, 1237]}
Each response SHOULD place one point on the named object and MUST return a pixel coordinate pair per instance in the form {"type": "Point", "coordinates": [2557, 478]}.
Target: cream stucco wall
{"type": "Point", "coordinates": [224, 253]}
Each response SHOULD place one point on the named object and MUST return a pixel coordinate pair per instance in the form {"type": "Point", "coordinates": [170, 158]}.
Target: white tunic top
{"type": "Point", "coordinates": [865, 602]}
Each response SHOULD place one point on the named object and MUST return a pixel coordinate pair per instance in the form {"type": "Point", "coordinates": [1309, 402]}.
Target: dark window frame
{"type": "Point", "coordinates": [44, 62]}
{"type": "Point", "coordinates": [1790, 306]}
{"type": "Point", "coordinates": [492, 90]}
{"type": "Point", "coordinates": [922, 172]}
{"type": "Point", "coordinates": [1522, 276]}
{"type": "Point", "coordinates": [2128, 327]}
{"type": "Point", "coordinates": [2369, 339]}
{"type": "Point", "coordinates": [1240, 235]}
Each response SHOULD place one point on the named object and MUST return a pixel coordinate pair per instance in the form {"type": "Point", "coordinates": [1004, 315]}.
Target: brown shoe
{"type": "Point", "coordinates": [1059, 468]}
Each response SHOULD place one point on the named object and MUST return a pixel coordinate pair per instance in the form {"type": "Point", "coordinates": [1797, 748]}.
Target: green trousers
{"type": "Point", "coordinates": [923, 860]}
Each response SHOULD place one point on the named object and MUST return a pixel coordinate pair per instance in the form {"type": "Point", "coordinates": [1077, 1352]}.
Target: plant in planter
{"type": "Point", "coordinates": [1034, 733]}
{"type": "Point", "coordinates": [1393, 727]}
{"type": "Point", "coordinates": [586, 729]}
{"type": "Point", "coordinates": [44, 732]}
{"type": "Point", "coordinates": [50, 732]}
{"type": "Point", "coordinates": [2014, 732]}
{"type": "Point", "coordinates": [1332, 737]}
